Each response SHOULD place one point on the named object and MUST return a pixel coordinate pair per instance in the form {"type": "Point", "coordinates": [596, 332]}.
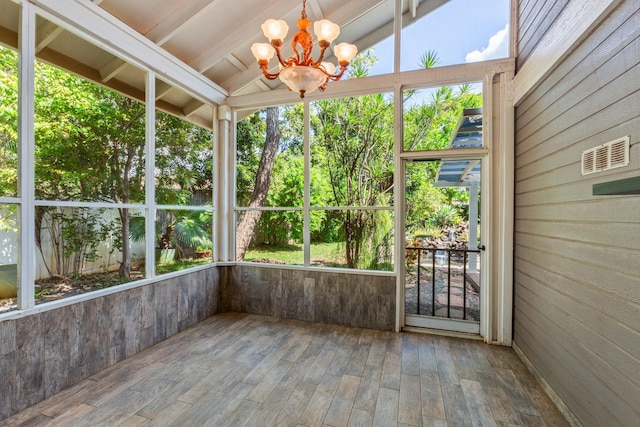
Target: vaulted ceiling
{"type": "Point", "coordinates": [213, 37]}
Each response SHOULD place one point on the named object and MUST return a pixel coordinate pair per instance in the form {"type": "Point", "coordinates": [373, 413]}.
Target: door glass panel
{"type": "Point", "coordinates": [442, 260]}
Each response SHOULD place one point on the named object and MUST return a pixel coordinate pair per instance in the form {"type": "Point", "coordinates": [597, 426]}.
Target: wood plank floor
{"type": "Point", "coordinates": [238, 369]}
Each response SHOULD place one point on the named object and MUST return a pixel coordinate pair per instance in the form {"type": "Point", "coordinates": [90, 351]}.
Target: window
{"type": "Point", "coordinates": [352, 148]}
{"type": "Point", "coordinates": [89, 184]}
{"type": "Point", "coordinates": [183, 185]}
{"type": "Point", "coordinates": [8, 256]}
{"type": "Point", "coordinates": [270, 186]}
{"type": "Point", "coordinates": [8, 123]}
{"type": "Point", "coordinates": [431, 115]}
{"type": "Point", "coordinates": [93, 172]}
{"type": "Point", "coordinates": [448, 36]}
{"type": "Point", "coordinates": [349, 214]}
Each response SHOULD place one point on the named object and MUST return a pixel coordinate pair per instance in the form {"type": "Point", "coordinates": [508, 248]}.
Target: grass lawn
{"type": "Point", "coordinates": [329, 254]}
{"type": "Point", "coordinates": [181, 265]}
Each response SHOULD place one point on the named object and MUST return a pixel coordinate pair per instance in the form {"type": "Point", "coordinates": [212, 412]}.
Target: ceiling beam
{"type": "Point", "coordinates": [66, 63]}
{"type": "Point", "coordinates": [107, 32]}
{"type": "Point", "coordinates": [231, 40]}
{"type": "Point", "coordinates": [162, 88]}
{"type": "Point", "coordinates": [413, 7]}
{"type": "Point", "coordinates": [314, 8]}
{"type": "Point", "coordinates": [191, 107]}
{"type": "Point", "coordinates": [46, 34]}
{"type": "Point", "coordinates": [178, 20]}
{"type": "Point", "coordinates": [236, 62]}
{"type": "Point", "coordinates": [112, 69]}
{"type": "Point", "coordinates": [8, 37]}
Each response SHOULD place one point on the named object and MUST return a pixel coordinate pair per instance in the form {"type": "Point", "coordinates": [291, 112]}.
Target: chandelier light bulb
{"type": "Point", "coordinates": [329, 68]}
{"type": "Point", "coordinates": [263, 51]}
{"type": "Point", "coordinates": [275, 29]}
{"type": "Point", "coordinates": [345, 52]}
{"type": "Point", "coordinates": [326, 30]}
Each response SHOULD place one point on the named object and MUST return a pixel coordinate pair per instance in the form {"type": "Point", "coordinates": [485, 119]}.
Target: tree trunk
{"type": "Point", "coordinates": [125, 265]}
{"type": "Point", "coordinates": [250, 219]}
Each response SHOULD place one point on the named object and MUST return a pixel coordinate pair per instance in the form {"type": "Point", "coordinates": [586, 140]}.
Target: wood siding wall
{"type": "Point", "coordinates": [44, 353]}
{"type": "Point", "coordinates": [535, 18]}
{"type": "Point", "coordinates": [363, 301]}
{"type": "Point", "coordinates": [577, 256]}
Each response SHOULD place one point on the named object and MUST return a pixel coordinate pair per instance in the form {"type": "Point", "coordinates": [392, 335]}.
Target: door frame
{"type": "Point", "coordinates": [496, 319]}
{"type": "Point", "coordinates": [447, 325]}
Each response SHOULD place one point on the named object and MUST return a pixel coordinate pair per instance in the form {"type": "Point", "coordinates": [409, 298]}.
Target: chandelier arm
{"type": "Point", "coordinates": [336, 77]}
{"type": "Point", "coordinates": [321, 56]}
{"type": "Point", "coordinates": [322, 70]}
{"type": "Point", "coordinates": [297, 60]}
{"type": "Point", "coordinates": [285, 63]}
{"type": "Point", "coordinates": [267, 74]}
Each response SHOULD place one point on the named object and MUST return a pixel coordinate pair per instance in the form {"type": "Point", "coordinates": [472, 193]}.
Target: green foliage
{"type": "Point", "coordinates": [353, 142]}
{"type": "Point", "coordinates": [76, 234]}
{"type": "Point", "coordinates": [180, 265]}
{"type": "Point", "coordinates": [8, 122]}
{"type": "Point", "coordinates": [361, 64]}
{"type": "Point", "coordinates": [429, 59]}
{"type": "Point", "coordinates": [8, 218]}
{"type": "Point", "coordinates": [429, 124]}
{"type": "Point", "coordinates": [90, 146]}
{"type": "Point", "coordinates": [444, 215]}
{"type": "Point", "coordinates": [184, 170]}
{"type": "Point", "coordinates": [249, 144]}
{"type": "Point", "coordinates": [352, 165]}
{"type": "Point", "coordinates": [179, 229]}
{"type": "Point", "coordinates": [290, 254]}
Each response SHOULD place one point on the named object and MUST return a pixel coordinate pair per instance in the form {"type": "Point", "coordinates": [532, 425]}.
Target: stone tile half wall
{"type": "Point", "coordinates": [44, 353]}
{"type": "Point", "coordinates": [350, 299]}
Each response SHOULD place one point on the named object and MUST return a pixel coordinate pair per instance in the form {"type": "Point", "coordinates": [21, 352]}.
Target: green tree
{"type": "Point", "coordinates": [286, 175]}
{"type": "Point", "coordinates": [353, 142]}
{"type": "Point", "coordinates": [250, 218]}
{"type": "Point", "coordinates": [183, 162]}
{"type": "Point", "coordinates": [8, 122]}
{"type": "Point", "coordinates": [89, 146]}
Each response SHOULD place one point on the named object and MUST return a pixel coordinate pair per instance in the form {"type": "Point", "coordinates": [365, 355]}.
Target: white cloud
{"type": "Point", "coordinates": [498, 47]}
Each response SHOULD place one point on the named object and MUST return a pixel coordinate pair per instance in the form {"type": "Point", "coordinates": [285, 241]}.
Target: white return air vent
{"type": "Point", "coordinates": [613, 154]}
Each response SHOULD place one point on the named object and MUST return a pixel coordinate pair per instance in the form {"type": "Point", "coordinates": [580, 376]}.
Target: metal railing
{"type": "Point", "coordinates": [436, 265]}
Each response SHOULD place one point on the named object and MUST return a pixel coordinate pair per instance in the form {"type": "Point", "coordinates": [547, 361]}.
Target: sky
{"type": "Point", "coordinates": [460, 31]}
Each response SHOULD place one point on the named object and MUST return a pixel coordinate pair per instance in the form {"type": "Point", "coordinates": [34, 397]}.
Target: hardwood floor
{"type": "Point", "coordinates": [238, 369]}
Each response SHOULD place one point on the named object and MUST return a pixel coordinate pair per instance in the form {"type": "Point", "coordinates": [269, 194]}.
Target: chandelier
{"type": "Point", "coordinates": [300, 72]}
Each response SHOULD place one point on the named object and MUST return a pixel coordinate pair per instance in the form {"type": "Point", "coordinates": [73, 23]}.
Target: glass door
{"type": "Point", "coordinates": [442, 268]}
